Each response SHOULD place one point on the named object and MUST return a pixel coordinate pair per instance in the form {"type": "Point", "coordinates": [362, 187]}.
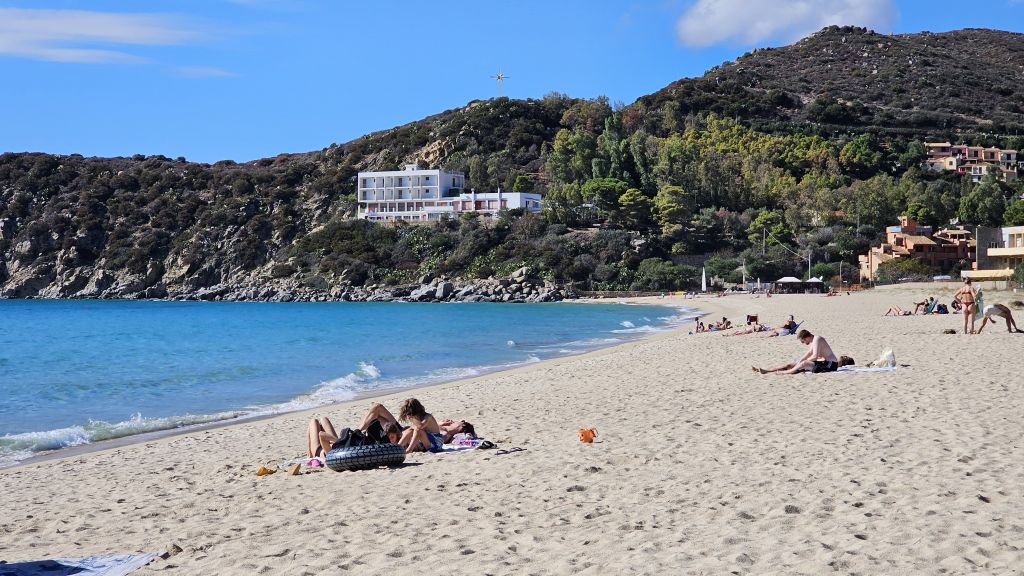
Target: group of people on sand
{"type": "Point", "coordinates": [723, 324]}
{"type": "Point", "coordinates": [965, 300]}
{"type": "Point", "coordinates": [969, 298]}
{"type": "Point", "coordinates": [423, 433]}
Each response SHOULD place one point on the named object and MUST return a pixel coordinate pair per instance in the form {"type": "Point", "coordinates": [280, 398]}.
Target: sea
{"type": "Point", "coordinates": [75, 372]}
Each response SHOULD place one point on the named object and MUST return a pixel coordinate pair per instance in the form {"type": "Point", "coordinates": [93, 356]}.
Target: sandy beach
{"type": "Point", "coordinates": [701, 466]}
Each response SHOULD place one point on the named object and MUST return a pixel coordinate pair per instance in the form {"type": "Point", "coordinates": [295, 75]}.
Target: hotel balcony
{"type": "Point", "coordinates": [1005, 252]}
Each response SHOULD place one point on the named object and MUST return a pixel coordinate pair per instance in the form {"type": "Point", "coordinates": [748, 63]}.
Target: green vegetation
{"type": "Point", "coordinates": [732, 168]}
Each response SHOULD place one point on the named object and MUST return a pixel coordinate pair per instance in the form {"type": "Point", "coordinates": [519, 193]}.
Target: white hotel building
{"type": "Point", "coordinates": [416, 195]}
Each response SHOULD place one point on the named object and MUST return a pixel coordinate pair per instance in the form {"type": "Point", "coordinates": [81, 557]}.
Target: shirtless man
{"type": "Point", "coordinates": [818, 358]}
{"type": "Point", "coordinates": [1001, 311]}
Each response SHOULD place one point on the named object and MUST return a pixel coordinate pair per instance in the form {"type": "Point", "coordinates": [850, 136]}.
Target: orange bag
{"type": "Point", "coordinates": [587, 435]}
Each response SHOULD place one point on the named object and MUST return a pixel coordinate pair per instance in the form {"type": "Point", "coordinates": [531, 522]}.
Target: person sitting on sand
{"type": "Point", "coordinates": [897, 311]}
{"type": "Point", "coordinates": [967, 296]}
{"type": "Point", "coordinates": [818, 358]}
{"type": "Point", "coordinates": [924, 305]}
{"type": "Point", "coordinates": [423, 434]}
{"type": "Point", "coordinates": [843, 361]}
{"type": "Point", "coordinates": [785, 329]}
{"type": "Point", "coordinates": [992, 311]}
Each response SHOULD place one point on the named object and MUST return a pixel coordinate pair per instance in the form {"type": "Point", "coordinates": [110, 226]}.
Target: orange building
{"type": "Point", "coordinates": [941, 250]}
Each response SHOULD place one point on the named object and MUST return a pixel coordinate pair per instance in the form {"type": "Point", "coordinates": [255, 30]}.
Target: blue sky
{"type": "Point", "coordinates": [244, 79]}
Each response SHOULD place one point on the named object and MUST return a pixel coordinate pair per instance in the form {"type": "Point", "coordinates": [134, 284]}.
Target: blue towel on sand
{"type": "Point", "coordinates": [106, 565]}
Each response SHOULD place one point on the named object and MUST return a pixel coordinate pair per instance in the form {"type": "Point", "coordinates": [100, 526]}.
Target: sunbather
{"type": "Point", "coordinates": [843, 361]}
{"type": "Point", "coordinates": [967, 296]}
{"type": "Point", "coordinates": [321, 436]}
{"type": "Point", "coordinates": [897, 311]}
{"type": "Point", "coordinates": [818, 358]}
{"type": "Point", "coordinates": [998, 310]}
{"type": "Point", "coordinates": [924, 306]}
{"type": "Point", "coordinates": [749, 330]}
{"type": "Point", "coordinates": [785, 329]}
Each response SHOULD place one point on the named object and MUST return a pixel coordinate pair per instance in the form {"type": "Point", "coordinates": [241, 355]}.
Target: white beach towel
{"type": "Point", "coordinates": [105, 565]}
{"type": "Point", "coordinates": [867, 369]}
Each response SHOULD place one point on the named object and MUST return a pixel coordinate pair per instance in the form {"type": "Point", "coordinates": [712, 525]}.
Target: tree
{"type": "Point", "coordinates": [720, 267]}
{"type": "Point", "coordinates": [635, 211]}
{"type": "Point", "coordinates": [903, 269]}
{"type": "Point", "coordinates": [984, 205]}
{"type": "Point", "coordinates": [604, 193]}
{"type": "Point", "coordinates": [523, 184]}
{"type": "Point", "coordinates": [769, 227]}
{"type": "Point", "coordinates": [861, 156]}
{"type": "Point", "coordinates": [658, 274]}
{"type": "Point", "coordinates": [1014, 214]}
{"type": "Point", "coordinates": [1018, 275]}
{"type": "Point", "coordinates": [673, 206]}
{"type": "Point", "coordinates": [823, 270]}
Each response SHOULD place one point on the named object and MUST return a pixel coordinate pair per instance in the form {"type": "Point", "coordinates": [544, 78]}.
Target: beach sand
{"type": "Point", "coordinates": [701, 467]}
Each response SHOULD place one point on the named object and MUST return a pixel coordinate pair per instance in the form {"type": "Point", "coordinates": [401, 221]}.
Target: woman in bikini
{"type": "Point", "coordinates": [966, 296]}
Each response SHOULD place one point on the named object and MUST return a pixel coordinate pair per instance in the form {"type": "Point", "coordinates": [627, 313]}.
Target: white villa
{"type": "Point", "coordinates": [416, 195]}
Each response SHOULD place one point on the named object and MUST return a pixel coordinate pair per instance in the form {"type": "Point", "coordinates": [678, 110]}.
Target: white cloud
{"type": "Point", "coordinates": [85, 36]}
{"type": "Point", "coordinates": [710, 22]}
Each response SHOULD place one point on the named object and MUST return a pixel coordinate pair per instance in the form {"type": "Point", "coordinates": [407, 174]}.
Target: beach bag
{"type": "Point", "coordinates": [375, 434]}
{"type": "Point", "coordinates": [941, 309]}
{"type": "Point", "coordinates": [349, 438]}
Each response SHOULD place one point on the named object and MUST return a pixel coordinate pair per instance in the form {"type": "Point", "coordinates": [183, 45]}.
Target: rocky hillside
{"type": "Point", "coordinates": [154, 227]}
{"type": "Point", "coordinates": [279, 228]}
{"type": "Point", "coordinates": [851, 78]}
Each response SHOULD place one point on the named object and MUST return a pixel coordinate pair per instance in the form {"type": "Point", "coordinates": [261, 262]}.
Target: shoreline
{"type": "Point", "coordinates": [100, 446]}
{"type": "Point", "coordinates": [698, 462]}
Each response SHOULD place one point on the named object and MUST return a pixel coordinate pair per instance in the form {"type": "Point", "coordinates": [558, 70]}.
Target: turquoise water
{"type": "Point", "coordinates": [75, 372]}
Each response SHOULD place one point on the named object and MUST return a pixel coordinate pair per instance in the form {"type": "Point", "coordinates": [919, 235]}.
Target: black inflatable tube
{"type": "Point", "coordinates": [365, 457]}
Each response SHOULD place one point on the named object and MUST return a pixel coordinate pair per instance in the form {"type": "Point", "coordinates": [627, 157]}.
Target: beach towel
{"type": "Point", "coordinates": [979, 306]}
{"type": "Point", "coordinates": [867, 369]}
{"type": "Point", "coordinates": [931, 306]}
{"type": "Point", "coordinates": [104, 565]}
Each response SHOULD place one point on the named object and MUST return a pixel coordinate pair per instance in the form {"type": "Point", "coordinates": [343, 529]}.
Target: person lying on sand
{"type": "Point", "coordinates": [321, 436]}
{"type": "Point", "coordinates": [992, 311]}
{"type": "Point", "coordinates": [785, 329]}
{"type": "Point", "coordinates": [749, 330]}
{"type": "Point", "coordinates": [818, 358]}
{"type": "Point", "coordinates": [897, 311]}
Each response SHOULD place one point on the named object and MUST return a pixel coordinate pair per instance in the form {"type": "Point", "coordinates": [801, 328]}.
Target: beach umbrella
{"type": "Point", "coordinates": [703, 279]}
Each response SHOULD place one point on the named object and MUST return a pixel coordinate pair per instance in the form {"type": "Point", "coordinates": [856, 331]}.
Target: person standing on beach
{"type": "Point", "coordinates": [967, 296]}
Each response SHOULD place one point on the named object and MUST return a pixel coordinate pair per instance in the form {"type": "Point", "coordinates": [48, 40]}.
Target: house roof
{"type": "Point", "coordinates": [920, 240]}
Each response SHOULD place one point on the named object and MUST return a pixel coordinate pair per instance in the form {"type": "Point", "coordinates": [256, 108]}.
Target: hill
{"type": "Point", "coordinates": [852, 78]}
{"type": "Point", "coordinates": [806, 138]}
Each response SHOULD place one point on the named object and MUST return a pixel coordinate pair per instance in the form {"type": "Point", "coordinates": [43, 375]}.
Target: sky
{"type": "Point", "coordinates": [246, 79]}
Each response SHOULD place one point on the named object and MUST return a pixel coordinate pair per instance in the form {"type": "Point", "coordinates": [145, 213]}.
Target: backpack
{"type": "Point", "coordinates": [349, 438]}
